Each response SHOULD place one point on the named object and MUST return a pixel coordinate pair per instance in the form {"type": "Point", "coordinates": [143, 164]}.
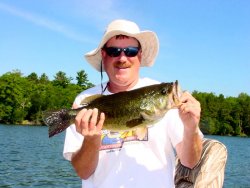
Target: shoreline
{"type": "Point", "coordinates": [29, 123]}
{"type": "Point", "coordinates": [25, 123]}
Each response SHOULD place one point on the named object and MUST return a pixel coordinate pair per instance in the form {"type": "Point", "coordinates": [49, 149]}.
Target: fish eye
{"type": "Point", "coordinates": [164, 91]}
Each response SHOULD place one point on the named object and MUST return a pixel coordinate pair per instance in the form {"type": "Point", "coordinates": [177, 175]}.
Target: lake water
{"type": "Point", "coordinates": [28, 158]}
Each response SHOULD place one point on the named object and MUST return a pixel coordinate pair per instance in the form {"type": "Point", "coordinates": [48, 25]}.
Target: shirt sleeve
{"type": "Point", "coordinates": [175, 127]}
{"type": "Point", "coordinates": [73, 142]}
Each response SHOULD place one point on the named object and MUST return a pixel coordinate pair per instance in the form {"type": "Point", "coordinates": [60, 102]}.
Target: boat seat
{"type": "Point", "coordinates": [210, 170]}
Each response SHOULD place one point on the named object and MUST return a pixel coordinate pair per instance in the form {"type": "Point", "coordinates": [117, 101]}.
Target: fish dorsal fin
{"type": "Point", "coordinates": [89, 99]}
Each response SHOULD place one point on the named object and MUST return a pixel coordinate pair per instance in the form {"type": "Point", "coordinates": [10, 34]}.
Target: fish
{"type": "Point", "coordinates": [134, 110]}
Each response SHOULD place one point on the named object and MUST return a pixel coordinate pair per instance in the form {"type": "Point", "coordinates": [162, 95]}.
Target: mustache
{"type": "Point", "coordinates": [121, 65]}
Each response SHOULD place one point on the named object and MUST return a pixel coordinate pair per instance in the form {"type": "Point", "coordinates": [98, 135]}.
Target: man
{"type": "Point", "coordinates": [104, 159]}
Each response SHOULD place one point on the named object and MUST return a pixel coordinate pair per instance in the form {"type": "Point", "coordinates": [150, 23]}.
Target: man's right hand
{"type": "Point", "coordinates": [87, 122]}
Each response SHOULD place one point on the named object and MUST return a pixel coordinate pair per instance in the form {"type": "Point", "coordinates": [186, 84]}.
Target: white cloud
{"type": "Point", "coordinates": [44, 22]}
{"type": "Point", "coordinates": [97, 13]}
{"type": "Point", "coordinates": [96, 9]}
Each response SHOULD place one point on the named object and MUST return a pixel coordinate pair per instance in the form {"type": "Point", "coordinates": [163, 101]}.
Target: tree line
{"type": "Point", "coordinates": [24, 99]}
{"type": "Point", "coordinates": [224, 115]}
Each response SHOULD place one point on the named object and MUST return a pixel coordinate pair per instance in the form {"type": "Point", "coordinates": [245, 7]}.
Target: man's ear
{"type": "Point", "coordinates": [139, 55]}
{"type": "Point", "coordinates": [103, 53]}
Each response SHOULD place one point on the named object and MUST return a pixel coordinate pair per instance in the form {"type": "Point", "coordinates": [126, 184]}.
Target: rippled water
{"type": "Point", "coordinates": [238, 163]}
{"type": "Point", "coordinates": [28, 158]}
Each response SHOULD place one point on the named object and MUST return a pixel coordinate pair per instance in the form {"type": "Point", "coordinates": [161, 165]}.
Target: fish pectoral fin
{"type": "Point", "coordinates": [147, 115]}
{"type": "Point", "coordinates": [89, 99]}
{"type": "Point", "coordinates": [134, 122]}
{"type": "Point", "coordinates": [141, 132]}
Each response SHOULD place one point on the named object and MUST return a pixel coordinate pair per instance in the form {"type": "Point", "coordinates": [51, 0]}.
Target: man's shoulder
{"type": "Point", "coordinates": [147, 81]}
{"type": "Point", "coordinates": [88, 92]}
{"type": "Point", "coordinates": [93, 90]}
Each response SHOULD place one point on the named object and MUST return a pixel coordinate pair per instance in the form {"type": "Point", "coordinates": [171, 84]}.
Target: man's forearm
{"type": "Point", "coordinates": [85, 160]}
{"type": "Point", "coordinates": [190, 149]}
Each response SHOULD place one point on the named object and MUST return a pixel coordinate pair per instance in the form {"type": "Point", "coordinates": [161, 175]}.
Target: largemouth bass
{"type": "Point", "coordinates": [128, 110]}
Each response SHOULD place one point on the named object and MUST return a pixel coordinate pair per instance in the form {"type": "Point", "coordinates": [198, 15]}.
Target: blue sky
{"type": "Point", "coordinates": [204, 44]}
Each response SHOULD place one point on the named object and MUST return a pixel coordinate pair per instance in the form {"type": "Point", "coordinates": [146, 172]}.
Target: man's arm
{"type": "Point", "coordinates": [85, 160]}
{"type": "Point", "coordinates": [189, 150]}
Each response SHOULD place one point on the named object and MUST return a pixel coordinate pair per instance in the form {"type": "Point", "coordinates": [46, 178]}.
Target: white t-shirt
{"type": "Point", "coordinates": [124, 161]}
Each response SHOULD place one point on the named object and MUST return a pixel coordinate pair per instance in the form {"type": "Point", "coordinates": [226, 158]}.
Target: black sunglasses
{"type": "Point", "coordinates": [115, 52]}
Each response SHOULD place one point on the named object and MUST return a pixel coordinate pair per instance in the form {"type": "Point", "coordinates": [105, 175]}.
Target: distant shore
{"type": "Point", "coordinates": [30, 123]}
{"type": "Point", "coordinates": [26, 123]}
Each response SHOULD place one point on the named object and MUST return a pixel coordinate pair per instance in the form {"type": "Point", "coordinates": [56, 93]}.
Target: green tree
{"type": "Point", "coordinates": [43, 79]}
{"type": "Point", "coordinates": [216, 114]}
{"type": "Point", "coordinates": [26, 98]}
{"type": "Point", "coordinates": [244, 122]}
{"type": "Point", "coordinates": [208, 125]}
{"type": "Point", "coordinates": [61, 79]}
{"type": "Point", "coordinates": [82, 80]}
{"type": "Point", "coordinates": [33, 77]}
{"type": "Point", "coordinates": [14, 97]}
{"type": "Point", "coordinates": [40, 102]}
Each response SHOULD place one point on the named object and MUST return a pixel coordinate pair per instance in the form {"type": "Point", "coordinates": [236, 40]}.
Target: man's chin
{"type": "Point", "coordinates": [122, 71]}
{"type": "Point", "coordinates": [122, 78]}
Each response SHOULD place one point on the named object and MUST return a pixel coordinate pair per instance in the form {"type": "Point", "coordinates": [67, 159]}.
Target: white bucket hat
{"type": "Point", "coordinates": [148, 41]}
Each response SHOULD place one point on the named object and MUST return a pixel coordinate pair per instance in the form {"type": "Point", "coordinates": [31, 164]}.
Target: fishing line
{"type": "Point", "coordinates": [103, 90]}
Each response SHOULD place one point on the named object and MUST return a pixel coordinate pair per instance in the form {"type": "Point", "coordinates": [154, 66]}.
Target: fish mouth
{"type": "Point", "coordinates": [176, 94]}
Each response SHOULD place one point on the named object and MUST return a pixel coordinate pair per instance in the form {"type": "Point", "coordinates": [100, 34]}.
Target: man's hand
{"type": "Point", "coordinates": [87, 122]}
{"type": "Point", "coordinates": [190, 110]}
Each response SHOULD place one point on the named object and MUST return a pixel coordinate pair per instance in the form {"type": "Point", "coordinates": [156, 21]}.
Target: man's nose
{"type": "Point", "coordinates": [122, 57]}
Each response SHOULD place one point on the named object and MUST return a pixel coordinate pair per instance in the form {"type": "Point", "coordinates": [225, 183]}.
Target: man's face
{"type": "Point", "coordinates": [122, 70]}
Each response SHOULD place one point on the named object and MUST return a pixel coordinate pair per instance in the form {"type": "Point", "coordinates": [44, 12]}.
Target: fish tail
{"type": "Point", "coordinates": [57, 121]}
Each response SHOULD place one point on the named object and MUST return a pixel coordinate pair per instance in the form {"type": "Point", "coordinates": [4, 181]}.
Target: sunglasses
{"type": "Point", "coordinates": [115, 52]}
